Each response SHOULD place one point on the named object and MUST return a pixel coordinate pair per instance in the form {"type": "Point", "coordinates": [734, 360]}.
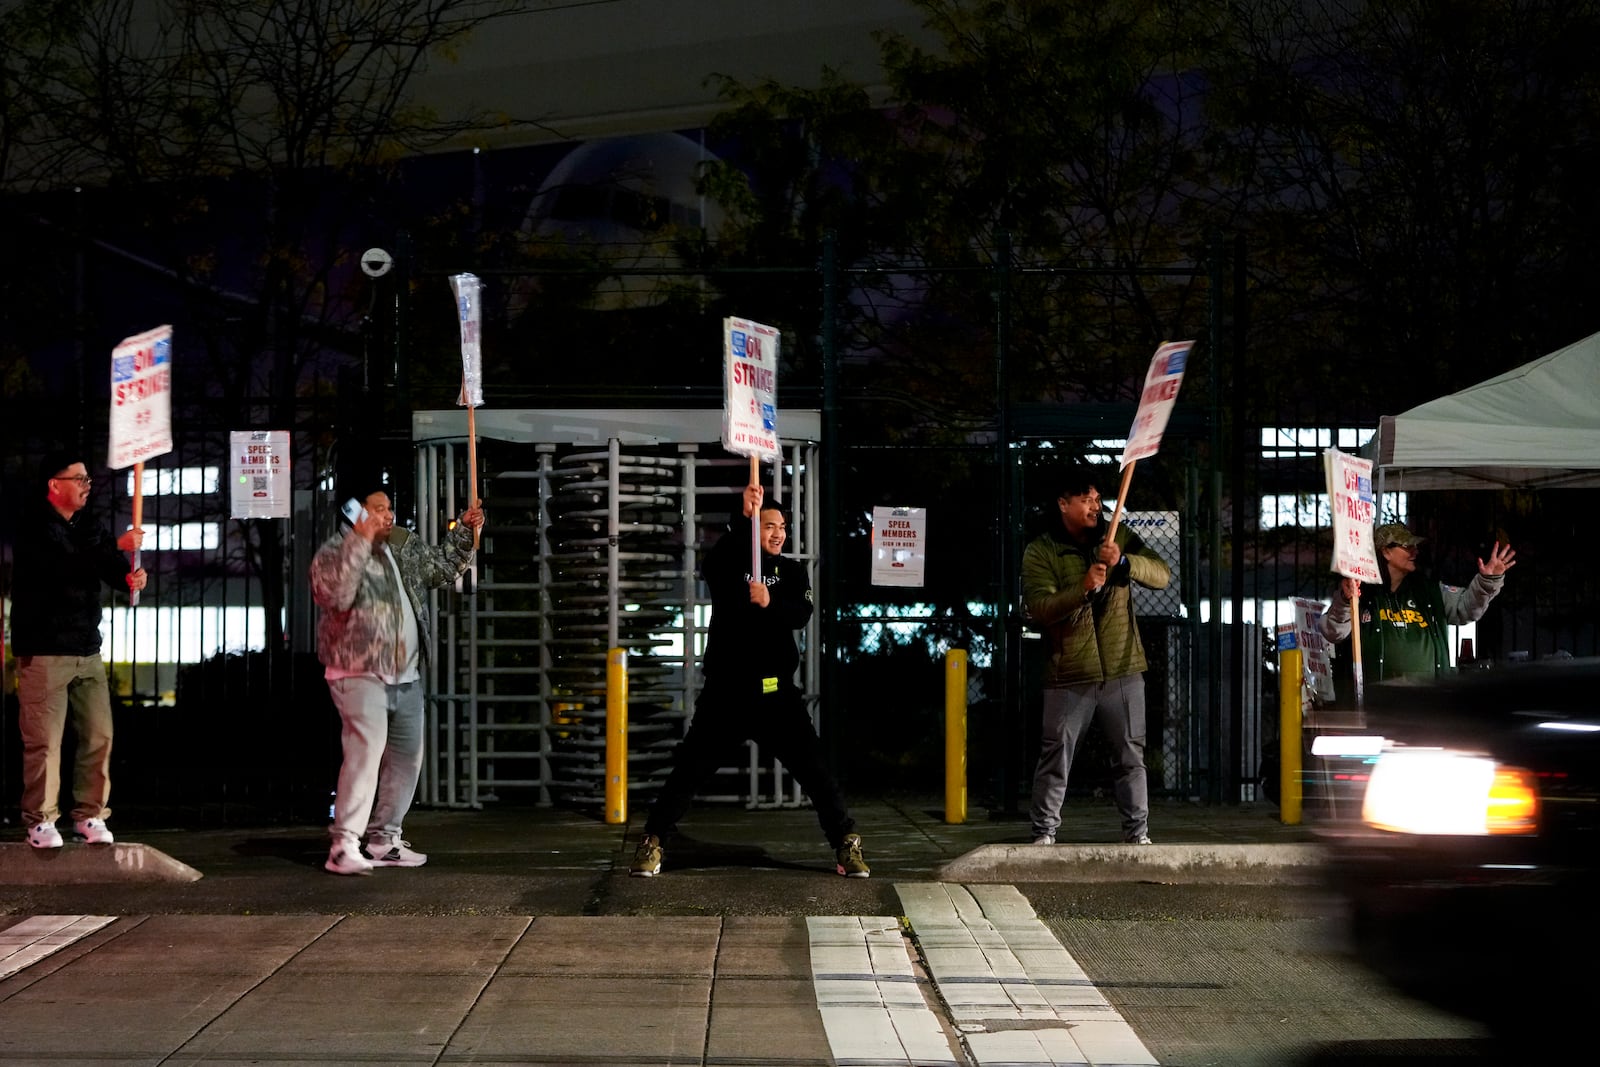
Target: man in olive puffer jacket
{"type": "Point", "coordinates": [1076, 585]}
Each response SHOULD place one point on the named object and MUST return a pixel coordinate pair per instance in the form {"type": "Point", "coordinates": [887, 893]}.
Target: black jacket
{"type": "Point", "coordinates": [747, 643]}
{"type": "Point", "coordinates": [56, 597]}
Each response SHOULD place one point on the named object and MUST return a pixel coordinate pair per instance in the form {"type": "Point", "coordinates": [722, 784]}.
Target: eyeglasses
{"type": "Point", "coordinates": [83, 478]}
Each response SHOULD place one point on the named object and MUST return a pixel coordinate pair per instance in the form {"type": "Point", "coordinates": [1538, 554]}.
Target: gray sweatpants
{"type": "Point", "coordinates": [383, 748]}
{"type": "Point", "coordinates": [1118, 705]}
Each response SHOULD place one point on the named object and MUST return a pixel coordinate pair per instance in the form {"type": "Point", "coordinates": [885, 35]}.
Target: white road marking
{"type": "Point", "coordinates": [873, 1010]}
{"type": "Point", "coordinates": [40, 936]}
{"type": "Point", "coordinates": [1012, 989]}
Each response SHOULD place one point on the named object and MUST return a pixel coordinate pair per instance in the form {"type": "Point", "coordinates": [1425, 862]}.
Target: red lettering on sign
{"type": "Point", "coordinates": [759, 378]}
{"type": "Point", "coordinates": [1166, 390]}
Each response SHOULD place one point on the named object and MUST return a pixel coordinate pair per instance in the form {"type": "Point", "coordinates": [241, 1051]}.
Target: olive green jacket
{"type": "Point", "coordinates": [1094, 637]}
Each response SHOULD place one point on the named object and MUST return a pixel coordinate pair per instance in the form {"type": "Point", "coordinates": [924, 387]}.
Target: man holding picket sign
{"type": "Point", "coordinates": [62, 560]}
{"type": "Point", "coordinates": [1077, 585]}
{"type": "Point", "coordinates": [751, 657]}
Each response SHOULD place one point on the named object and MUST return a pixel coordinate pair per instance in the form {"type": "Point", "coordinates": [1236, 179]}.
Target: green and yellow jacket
{"type": "Point", "coordinates": [1403, 630]}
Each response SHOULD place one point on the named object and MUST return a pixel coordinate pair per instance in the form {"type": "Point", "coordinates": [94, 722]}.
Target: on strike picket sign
{"type": "Point", "coordinates": [1354, 506]}
{"type": "Point", "coordinates": [1160, 394]}
{"type": "Point", "coordinates": [1317, 655]}
{"type": "Point", "coordinates": [468, 290]}
{"type": "Point", "coordinates": [750, 389]}
{"type": "Point", "coordinates": [141, 397]}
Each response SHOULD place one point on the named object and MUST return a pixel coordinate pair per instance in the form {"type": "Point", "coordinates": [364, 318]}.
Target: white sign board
{"type": "Point", "coordinates": [1315, 654]}
{"type": "Point", "coordinates": [1354, 505]}
{"type": "Point", "coordinates": [1160, 393]}
{"type": "Point", "coordinates": [468, 290]}
{"type": "Point", "coordinates": [750, 389]}
{"type": "Point", "coordinates": [259, 482]}
{"type": "Point", "coordinates": [899, 546]}
{"type": "Point", "coordinates": [141, 397]}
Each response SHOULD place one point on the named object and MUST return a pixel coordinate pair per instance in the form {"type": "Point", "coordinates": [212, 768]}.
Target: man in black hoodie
{"type": "Point", "coordinates": [61, 560]}
{"type": "Point", "coordinates": [749, 692]}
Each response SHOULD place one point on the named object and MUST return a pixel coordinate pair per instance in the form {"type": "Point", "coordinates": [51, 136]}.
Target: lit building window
{"type": "Point", "coordinates": [1295, 509]}
{"type": "Point", "coordinates": [155, 633]}
{"type": "Point", "coordinates": [183, 536]}
{"type": "Point", "coordinates": [1296, 442]}
{"type": "Point", "coordinates": [1310, 510]}
{"type": "Point", "coordinates": [178, 481]}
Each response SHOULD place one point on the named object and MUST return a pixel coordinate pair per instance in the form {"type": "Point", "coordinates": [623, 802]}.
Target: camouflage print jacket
{"type": "Point", "coordinates": [358, 630]}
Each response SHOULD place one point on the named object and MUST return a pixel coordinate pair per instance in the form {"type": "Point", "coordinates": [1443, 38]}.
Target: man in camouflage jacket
{"type": "Point", "coordinates": [373, 639]}
{"type": "Point", "coordinates": [1076, 585]}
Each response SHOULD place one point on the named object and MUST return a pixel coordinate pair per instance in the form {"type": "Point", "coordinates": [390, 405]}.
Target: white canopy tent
{"type": "Point", "coordinates": [1535, 427]}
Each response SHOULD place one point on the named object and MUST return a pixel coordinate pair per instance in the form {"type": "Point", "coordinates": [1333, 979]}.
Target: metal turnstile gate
{"type": "Point", "coordinates": [593, 542]}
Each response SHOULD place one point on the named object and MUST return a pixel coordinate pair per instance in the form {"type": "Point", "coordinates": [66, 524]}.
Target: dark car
{"type": "Point", "coordinates": [1470, 872]}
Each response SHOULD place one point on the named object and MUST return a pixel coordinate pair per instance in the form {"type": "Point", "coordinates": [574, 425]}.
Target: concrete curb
{"type": "Point", "coordinates": [22, 864]}
{"type": "Point", "coordinates": [1287, 864]}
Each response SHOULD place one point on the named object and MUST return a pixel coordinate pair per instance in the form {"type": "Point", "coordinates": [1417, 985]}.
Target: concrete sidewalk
{"type": "Point", "coordinates": [523, 940]}
{"type": "Point", "coordinates": [905, 837]}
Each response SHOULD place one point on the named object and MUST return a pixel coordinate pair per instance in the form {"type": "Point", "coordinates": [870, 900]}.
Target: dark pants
{"type": "Point", "coordinates": [1118, 704]}
{"type": "Point", "coordinates": [725, 717]}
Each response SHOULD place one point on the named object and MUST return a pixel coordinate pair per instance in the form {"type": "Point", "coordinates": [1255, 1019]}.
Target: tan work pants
{"type": "Point", "coordinates": [47, 688]}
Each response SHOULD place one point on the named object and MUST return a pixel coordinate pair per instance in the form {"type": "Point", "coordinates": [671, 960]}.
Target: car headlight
{"type": "Point", "coordinates": [1440, 792]}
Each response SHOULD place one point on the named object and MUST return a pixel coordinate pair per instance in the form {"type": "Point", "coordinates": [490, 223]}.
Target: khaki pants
{"type": "Point", "coordinates": [47, 687]}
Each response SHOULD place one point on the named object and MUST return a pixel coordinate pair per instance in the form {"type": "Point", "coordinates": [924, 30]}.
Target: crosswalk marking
{"type": "Point", "coordinates": [872, 1006]}
{"type": "Point", "coordinates": [1011, 992]}
{"type": "Point", "coordinates": [40, 936]}
{"type": "Point", "coordinates": [1012, 989]}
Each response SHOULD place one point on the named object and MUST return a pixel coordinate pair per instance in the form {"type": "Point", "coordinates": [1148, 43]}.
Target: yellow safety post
{"type": "Point", "coordinates": [617, 736]}
{"type": "Point", "coordinates": [955, 736]}
{"type": "Point", "coordinates": [1291, 685]}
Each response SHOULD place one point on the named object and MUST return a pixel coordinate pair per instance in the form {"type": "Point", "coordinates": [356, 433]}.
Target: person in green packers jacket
{"type": "Point", "coordinates": [1403, 620]}
{"type": "Point", "coordinates": [1077, 586]}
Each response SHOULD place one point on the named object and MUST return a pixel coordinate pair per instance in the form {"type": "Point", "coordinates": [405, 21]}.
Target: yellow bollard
{"type": "Point", "coordinates": [1290, 716]}
{"type": "Point", "coordinates": [617, 736]}
{"type": "Point", "coordinates": [955, 736]}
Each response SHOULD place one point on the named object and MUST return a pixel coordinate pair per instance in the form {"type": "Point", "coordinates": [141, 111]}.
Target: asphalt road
{"type": "Point", "coordinates": [1205, 972]}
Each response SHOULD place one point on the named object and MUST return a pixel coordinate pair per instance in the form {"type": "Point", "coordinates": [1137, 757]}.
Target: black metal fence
{"type": "Point", "coordinates": [221, 706]}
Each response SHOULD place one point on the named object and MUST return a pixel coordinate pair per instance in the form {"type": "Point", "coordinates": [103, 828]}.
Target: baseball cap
{"type": "Point", "coordinates": [56, 461]}
{"type": "Point", "coordinates": [1395, 533]}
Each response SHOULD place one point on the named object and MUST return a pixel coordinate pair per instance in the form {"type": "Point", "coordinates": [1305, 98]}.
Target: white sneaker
{"type": "Point", "coordinates": [346, 859]}
{"type": "Point", "coordinates": [1142, 839]}
{"type": "Point", "coordinates": [93, 831]}
{"type": "Point", "coordinates": [393, 852]}
{"type": "Point", "coordinates": [44, 835]}
{"type": "Point", "coordinates": [1045, 839]}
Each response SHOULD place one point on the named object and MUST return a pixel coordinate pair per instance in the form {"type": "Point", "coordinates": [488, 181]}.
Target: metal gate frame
{"type": "Point", "coordinates": [515, 698]}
